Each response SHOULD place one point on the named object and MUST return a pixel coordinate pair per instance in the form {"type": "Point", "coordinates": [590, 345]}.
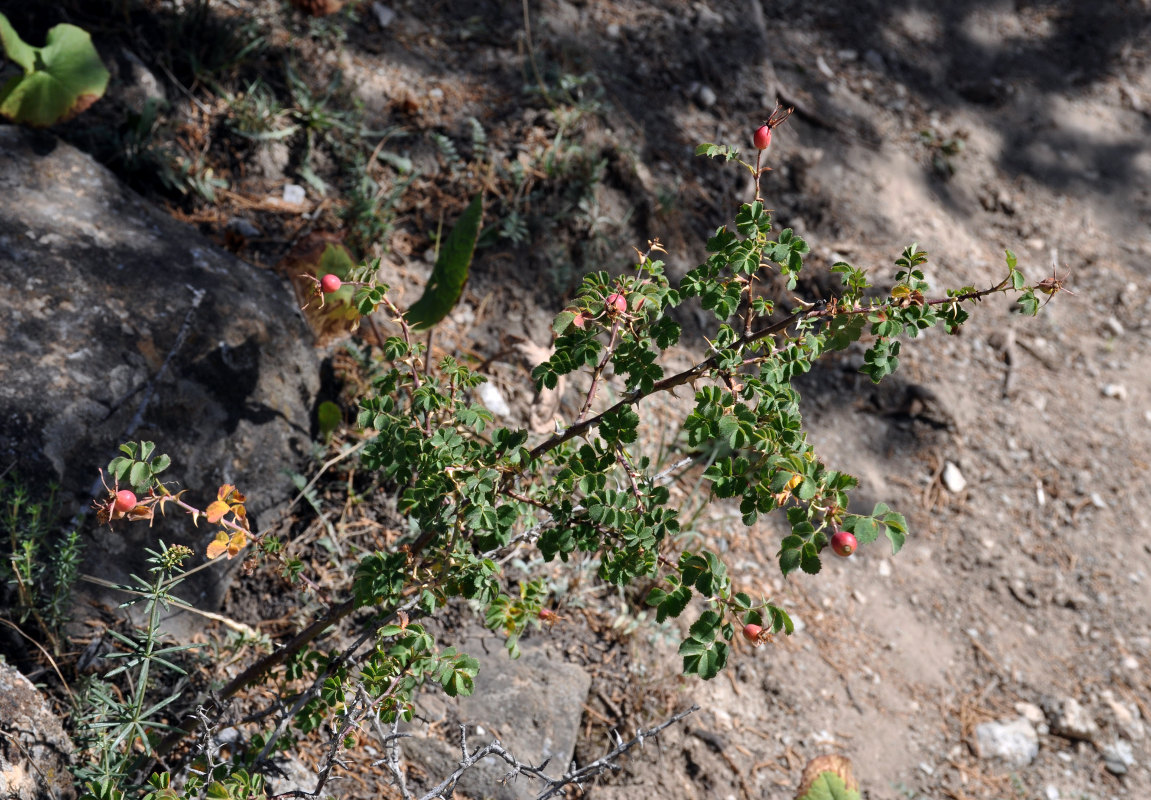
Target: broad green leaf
{"type": "Point", "coordinates": [60, 80]}
{"type": "Point", "coordinates": [335, 259]}
{"type": "Point", "coordinates": [829, 786]}
{"type": "Point", "coordinates": [329, 416]}
{"type": "Point", "coordinates": [828, 778]}
{"type": "Point", "coordinates": [451, 270]}
{"type": "Point", "coordinates": [562, 321]}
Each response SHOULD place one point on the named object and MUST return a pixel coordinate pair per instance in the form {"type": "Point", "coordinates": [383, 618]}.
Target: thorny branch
{"type": "Point", "coordinates": [694, 373]}
{"type": "Point", "coordinates": [552, 786]}
{"type": "Point", "coordinates": [261, 667]}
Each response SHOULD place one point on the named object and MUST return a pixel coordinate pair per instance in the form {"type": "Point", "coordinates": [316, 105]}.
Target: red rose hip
{"type": "Point", "coordinates": [843, 543]}
{"type": "Point", "coordinates": [762, 138]}
{"type": "Point", "coordinates": [752, 632]}
{"type": "Point", "coordinates": [125, 501]}
{"type": "Point", "coordinates": [330, 283]}
{"type": "Point", "coordinates": [616, 302]}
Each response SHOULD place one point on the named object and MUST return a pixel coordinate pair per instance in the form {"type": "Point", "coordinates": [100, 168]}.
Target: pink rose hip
{"type": "Point", "coordinates": [125, 501]}
{"type": "Point", "coordinates": [330, 283]}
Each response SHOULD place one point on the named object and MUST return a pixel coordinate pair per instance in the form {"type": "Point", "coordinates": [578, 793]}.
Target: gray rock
{"type": "Point", "coordinates": [133, 84]}
{"type": "Point", "coordinates": [242, 227]}
{"type": "Point", "coordinates": [533, 705]}
{"type": "Point", "coordinates": [122, 324]}
{"type": "Point", "coordinates": [1069, 719]}
{"type": "Point", "coordinates": [384, 14]}
{"type": "Point", "coordinates": [34, 750]}
{"type": "Point", "coordinates": [1016, 742]}
{"type": "Point", "coordinates": [1118, 757]}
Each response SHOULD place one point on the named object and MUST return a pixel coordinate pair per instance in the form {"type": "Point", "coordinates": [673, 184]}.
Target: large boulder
{"type": "Point", "coordinates": [532, 705]}
{"type": "Point", "coordinates": [120, 323]}
{"type": "Point", "coordinates": [34, 750]}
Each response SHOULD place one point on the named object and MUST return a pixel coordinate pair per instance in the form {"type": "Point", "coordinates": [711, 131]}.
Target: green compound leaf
{"type": "Point", "coordinates": [60, 80]}
{"type": "Point", "coordinates": [451, 271]}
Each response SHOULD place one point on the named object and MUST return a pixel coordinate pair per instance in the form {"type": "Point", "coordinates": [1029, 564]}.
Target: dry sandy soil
{"type": "Point", "coordinates": [1026, 583]}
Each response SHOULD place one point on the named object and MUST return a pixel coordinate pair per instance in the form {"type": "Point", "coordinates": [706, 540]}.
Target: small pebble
{"type": "Point", "coordinates": [493, 400]}
{"type": "Point", "coordinates": [243, 228]}
{"type": "Point", "coordinates": [1115, 326]}
{"type": "Point", "coordinates": [384, 15]}
{"type": "Point", "coordinates": [1115, 390]}
{"type": "Point", "coordinates": [1030, 712]}
{"type": "Point", "coordinates": [884, 568]}
{"type": "Point", "coordinates": [294, 194]}
{"type": "Point", "coordinates": [706, 96]}
{"type": "Point", "coordinates": [953, 479]}
{"type": "Point", "coordinates": [1070, 720]}
{"type": "Point", "coordinates": [1016, 742]}
{"type": "Point", "coordinates": [1118, 757]}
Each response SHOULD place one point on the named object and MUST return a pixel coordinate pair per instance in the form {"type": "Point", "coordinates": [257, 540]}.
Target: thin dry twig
{"type": "Point", "coordinates": [553, 786]}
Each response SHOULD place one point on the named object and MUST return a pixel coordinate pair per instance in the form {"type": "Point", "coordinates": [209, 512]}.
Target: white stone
{"type": "Point", "coordinates": [1016, 742]}
{"type": "Point", "coordinates": [1114, 390]}
{"type": "Point", "coordinates": [494, 401]}
{"type": "Point", "coordinates": [1030, 712]}
{"type": "Point", "coordinates": [294, 194]}
{"type": "Point", "coordinates": [953, 479]}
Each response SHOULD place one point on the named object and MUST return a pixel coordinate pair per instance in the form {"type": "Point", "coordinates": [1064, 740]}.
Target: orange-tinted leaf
{"type": "Point", "coordinates": [238, 498]}
{"type": "Point", "coordinates": [225, 490]}
{"type": "Point", "coordinates": [239, 539]}
{"type": "Point", "coordinates": [219, 545]}
{"type": "Point", "coordinates": [216, 511]}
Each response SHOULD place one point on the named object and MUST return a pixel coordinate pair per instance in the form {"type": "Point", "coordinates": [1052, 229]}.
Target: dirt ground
{"type": "Point", "coordinates": [1019, 449]}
